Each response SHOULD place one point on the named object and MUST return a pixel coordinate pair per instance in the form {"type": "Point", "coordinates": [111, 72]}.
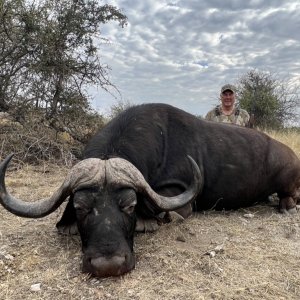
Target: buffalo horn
{"type": "Point", "coordinates": [84, 174]}
{"type": "Point", "coordinates": [94, 172]}
{"type": "Point", "coordinates": [123, 173]}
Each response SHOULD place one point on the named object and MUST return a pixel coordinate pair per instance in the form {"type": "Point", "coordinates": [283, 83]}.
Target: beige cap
{"type": "Point", "coordinates": [228, 87]}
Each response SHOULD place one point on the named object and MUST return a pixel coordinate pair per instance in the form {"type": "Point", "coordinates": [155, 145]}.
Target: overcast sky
{"type": "Point", "coordinates": [182, 51]}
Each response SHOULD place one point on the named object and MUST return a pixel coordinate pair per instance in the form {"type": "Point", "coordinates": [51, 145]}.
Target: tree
{"type": "Point", "coordinates": [12, 54]}
{"type": "Point", "coordinates": [118, 107]}
{"type": "Point", "coordinates": [272, 103]}
{"type": "Point", "coordinates": [48, 51]}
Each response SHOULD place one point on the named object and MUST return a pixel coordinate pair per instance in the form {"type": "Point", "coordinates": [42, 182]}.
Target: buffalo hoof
{"type": "Point", "coordinates": [146, 225]}
{"type": "Point", "coordinates": [288, 212]}
{"type": "Point", "coordinates": [184, 211]}
{"type": "Point", "coordinates": [67, 229]}
{"type": "Point", "coordinates": [175, 217]}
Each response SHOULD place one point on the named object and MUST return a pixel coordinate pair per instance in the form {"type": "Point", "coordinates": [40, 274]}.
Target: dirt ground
{"type": "Point", "coordinates": [247, 254]}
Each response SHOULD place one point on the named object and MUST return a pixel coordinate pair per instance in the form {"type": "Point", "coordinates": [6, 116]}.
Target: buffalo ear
{"type": "Point", "coordinates": [68, 219]}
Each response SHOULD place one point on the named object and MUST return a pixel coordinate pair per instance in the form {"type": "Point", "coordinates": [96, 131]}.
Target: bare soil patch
{"type": "Point", "coordinates": [251, 253]}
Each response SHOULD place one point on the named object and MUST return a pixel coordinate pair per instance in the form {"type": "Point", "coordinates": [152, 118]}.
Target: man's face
{"type": "Point", "coordinates": [228, 99]}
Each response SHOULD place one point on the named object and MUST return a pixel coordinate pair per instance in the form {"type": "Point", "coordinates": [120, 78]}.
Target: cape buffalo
{"type": "Point", "coordinates": [138, 168]}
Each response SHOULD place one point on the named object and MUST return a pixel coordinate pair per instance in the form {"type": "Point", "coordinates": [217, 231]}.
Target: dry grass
{"type": "Point", "coordinates": [290, 138]}
{"type": "Point", "coordinates": [259, 257]}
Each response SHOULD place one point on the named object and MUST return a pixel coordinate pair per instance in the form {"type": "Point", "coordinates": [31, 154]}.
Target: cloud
{"type": "Point", "coordinates": [182, 52]}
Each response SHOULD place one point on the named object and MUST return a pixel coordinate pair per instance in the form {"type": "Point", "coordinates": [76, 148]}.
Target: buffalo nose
{"type": "Point", "coordinates": [104, 267]}
{"type": "Point", "coordinates": [103, 263]}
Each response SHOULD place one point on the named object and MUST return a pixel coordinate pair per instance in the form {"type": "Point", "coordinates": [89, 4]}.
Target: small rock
{"type": "Point", "coordinates": [219, 248]}
{"type": "Point", "coordinates": [249, 216]}
{"type": "Point", "coordinates": [130, 292]}
{"type": "Point", "coordinates": [9, 257]}
{"type": "Point", "coordinates": [35, 287]}
{"type": "Point", "coordinates": [212, 253]}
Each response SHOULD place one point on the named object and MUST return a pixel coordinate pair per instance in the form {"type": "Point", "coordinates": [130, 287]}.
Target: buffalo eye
{"type": "Point", "coordinates": [81, 211]}
{"type": "Point", "coordinates": [128, 201]}
{"type": "Point", "coordinates": [83, 202]}
{"type": "Point", "coordinates": [128, 209]}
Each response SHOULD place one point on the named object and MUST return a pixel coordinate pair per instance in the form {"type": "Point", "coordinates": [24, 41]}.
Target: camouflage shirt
{"type": "Point", "coordinates": [238, 116]}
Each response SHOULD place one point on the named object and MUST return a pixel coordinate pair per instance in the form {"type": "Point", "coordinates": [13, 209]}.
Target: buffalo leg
{"type": "Point", "coordinates": [287, 205]}
{"type": "Point", "coordinates": [68, 222]}
{"type": "Point", "coordinates": [146, 225]}
{"type": "Point", "coordinates": [185, 211]}
{"type": "Point", "coordinates": [152, 224]}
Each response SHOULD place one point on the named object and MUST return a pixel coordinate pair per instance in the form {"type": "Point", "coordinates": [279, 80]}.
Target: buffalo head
{"type": "Point", "coordinates": [103, 198]}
